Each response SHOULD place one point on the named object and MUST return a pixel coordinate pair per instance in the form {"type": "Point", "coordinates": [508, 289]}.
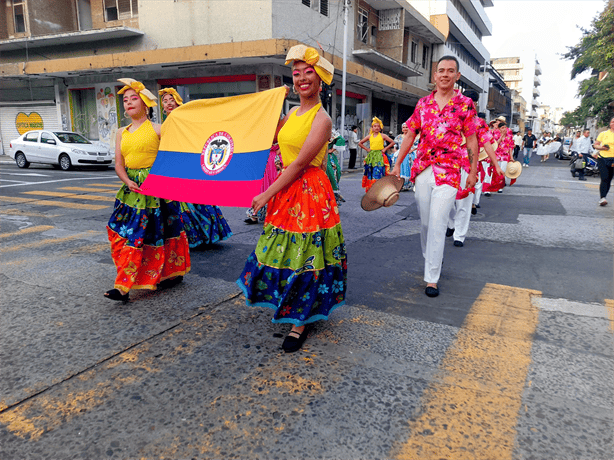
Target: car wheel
{"type": "Point", "coordinates": [65, 163]}
{"type": "Point", "coordinates": [21, 161]}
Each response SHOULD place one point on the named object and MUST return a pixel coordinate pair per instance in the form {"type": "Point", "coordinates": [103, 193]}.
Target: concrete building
{"type": "Point", "coordinates": [522, 74]}
{"type": "Point", "coordinates": [60, 60]}
{"type": "Point", "coordinates": [466, 22]}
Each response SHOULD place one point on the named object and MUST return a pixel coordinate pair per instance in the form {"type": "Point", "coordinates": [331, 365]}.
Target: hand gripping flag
{"type": "Point", "coordinates": [214, 151]}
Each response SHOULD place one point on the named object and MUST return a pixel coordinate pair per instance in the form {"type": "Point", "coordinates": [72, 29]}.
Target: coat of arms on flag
{"type": "Point", "coordinates": [214, 151]}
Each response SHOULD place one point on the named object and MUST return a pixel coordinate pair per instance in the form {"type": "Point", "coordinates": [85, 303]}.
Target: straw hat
{"type": "Point", "coordinates": [322, 66]}
{"type": "Point", "coordinates": [146, 96]}
{"type": "Point", "coordinates": [501, 118]}
{"type": "Point", "coordinates": [483, 155]}
{"type": "Point", "coordinates": [513, 170]}
{"type": "Point", "coordinates": [384, 192]}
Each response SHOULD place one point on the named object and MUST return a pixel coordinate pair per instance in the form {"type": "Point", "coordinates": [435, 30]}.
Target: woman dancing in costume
{"type": "Point", "coordinates": [148, 244]}
{"type": "Point", "coordinates": [376, 162]}
{"type": "Point", "coordinates": [299, 266]}
{"type": "Point", "coordinates": [203, 224]}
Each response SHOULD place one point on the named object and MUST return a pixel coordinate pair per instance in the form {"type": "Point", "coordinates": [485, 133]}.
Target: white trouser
{"type": "Point", "coordinates": [478, 192]}
{"type": "Point", "coordinates": [487, 175]}
{"type": "Point", "coordinates": [460, 214]}
{"type": "Point", "coordinates": [434, 204]}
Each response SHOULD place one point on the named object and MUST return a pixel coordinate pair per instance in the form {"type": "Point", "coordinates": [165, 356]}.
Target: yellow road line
{"type": "Point", "coordinates": [90, 189]}
{"type": "Point", "coordinates": [38, 244]}
{"type": "Point", "coordinates": [58, 204]}
{"type": "Point", "coordinates": [471, 407]}
{"type": "Point", "coordinates": [609, 304]}
{"type": "Point", "coordinates": [18, 212]}
{"type": "Point", "coordinates": [72, 196]}
{"type": "Point", "coordinates": [114, 185]}
{"type": "Point", "coordinates": [35, 229]}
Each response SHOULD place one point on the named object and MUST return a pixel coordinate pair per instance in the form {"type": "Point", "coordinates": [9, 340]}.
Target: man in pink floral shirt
{"type": "Point", "coordinates": [442, 119]}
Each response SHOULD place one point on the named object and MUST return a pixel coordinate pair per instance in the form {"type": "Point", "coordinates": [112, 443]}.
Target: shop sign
{"type": "Point", "coordinates": [25, 123]}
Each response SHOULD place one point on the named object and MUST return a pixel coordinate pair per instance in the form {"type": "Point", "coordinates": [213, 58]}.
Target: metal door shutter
{"type": "Point", "coordinates": [8, 118]}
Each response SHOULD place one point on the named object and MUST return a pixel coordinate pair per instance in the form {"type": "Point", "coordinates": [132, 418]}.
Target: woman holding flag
{"type": "Point", "coordinates": [203, 223]}
{"type": "Point", "coordinates": [299, 265]}
{"type": "Point", "coordinates": [148, 244]}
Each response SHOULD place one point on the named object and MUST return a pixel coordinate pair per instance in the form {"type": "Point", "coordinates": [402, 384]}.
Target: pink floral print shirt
{"type": "Point", "coordinates": [441, 135]}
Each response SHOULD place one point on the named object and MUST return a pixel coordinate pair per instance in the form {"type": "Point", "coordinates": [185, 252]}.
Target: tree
{"type": "Point", "coordinates": [594, 53]}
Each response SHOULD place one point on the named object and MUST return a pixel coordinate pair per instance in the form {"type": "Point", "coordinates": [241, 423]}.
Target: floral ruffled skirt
{"type": "Point", "coordinates": [148, 243]}
{"type": "Point", "coordinates": [376, 167]}
{"type": "Point", "coordinates": [204, 224]}
{"type": "Point", "coordinates": [299, 266]}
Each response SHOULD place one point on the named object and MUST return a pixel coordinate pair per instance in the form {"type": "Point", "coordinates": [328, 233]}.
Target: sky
{"type": "Point", "coordinates": [548, 27]}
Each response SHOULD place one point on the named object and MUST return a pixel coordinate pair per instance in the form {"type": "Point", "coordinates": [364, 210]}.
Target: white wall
{"type": "Point", "coordinates": [170, 24]}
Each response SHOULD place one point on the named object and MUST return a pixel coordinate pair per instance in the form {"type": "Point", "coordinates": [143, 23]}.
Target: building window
{"type": "Point", "coordinates": [362, 25]}
{"type": "Point", "coordinates": [425, 56]}
{"type": "Point", "coordinates": [120, 9]}
{"type": "Point", "coordinates": [321, 6]}
{"type": "Point", "coordinates": [414, 52]}
{"type": "Point", "coordinates": [19, 16]}
{"type": "Point", "coordinates": [374, 36]}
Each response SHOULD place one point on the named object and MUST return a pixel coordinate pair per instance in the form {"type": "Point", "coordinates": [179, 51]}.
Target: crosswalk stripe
{"type": "Point", "coordinates": [90, 189]}
{"type": "Point", "coordinates": [47, 242]}
{"type": "Point", "coordinates": [471, 407]}
{"type": "Point", "coordinates": [114, 185]}
{"type": "Point", "coordinates": [35, 229]}
{"type": "Point", "coordinates": [72, 196]}
{"type": "Point", "coordinates": [58, 204]}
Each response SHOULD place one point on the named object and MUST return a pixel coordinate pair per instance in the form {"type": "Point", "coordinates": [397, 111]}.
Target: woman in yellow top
{"type": "Point", "coordinates": [376, 163]}
{"type": "Point", "coordinates": [605, 160]}
{"type": "Point", "coordinates": [299, 265]}
{"type": "Point", "coordinates": [203, 224]}
{"type": "Point", "coordinates": [148, 244]}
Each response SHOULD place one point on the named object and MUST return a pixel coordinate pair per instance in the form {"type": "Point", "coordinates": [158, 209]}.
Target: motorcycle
{"type": "Point", "coordinates": [590, 165]}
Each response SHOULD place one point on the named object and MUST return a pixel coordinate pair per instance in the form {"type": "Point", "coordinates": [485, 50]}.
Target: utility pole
{"type": "Point", "coordinates": [346, 8]}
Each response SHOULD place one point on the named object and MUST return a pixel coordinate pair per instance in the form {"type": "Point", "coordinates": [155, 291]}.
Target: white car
{"type": "Point", "coordinates": [62, 149]}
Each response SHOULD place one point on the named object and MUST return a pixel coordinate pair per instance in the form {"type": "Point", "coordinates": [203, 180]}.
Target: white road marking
{"type": "Point", "coordinates": [60, 180]}
{"type": "Point", "coordinates": [24, 174]}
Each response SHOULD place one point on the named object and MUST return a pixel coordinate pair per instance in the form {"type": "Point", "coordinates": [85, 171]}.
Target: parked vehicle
{"type": "Point", "coordinates": [565, 154]}
{"type": "Point", "coordinates": [63, 149]}
{"type": "Point", "coordinates": [590, 168]}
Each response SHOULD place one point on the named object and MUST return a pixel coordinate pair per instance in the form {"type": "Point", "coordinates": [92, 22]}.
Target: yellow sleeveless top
{"type": "Point", "coordinates": [140, 148]}
{"type": "Point", "coordinates": [293, 134]}
{"type": "Point", "coordinates": [376, 142]}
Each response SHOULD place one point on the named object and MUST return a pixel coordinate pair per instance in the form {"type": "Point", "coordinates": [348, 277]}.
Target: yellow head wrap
{"type": "Point", "coordinates": [323, 68]}
{"type": "Point", "coordinates": [139, 88]}
{"type": "Point", "coordinates": [377, 121]}
{"type": "Point", "coordinates": [173, 92]}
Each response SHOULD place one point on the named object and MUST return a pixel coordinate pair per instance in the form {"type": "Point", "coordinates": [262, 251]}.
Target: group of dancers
{"type": "Point", "coordinates": [299, 265]}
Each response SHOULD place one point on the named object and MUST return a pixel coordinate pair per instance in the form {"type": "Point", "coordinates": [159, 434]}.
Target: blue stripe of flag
{"type": "Point", "coordinates": [181, 165]}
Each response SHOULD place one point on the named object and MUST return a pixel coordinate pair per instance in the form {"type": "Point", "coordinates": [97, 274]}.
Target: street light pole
{"type": "Point", "coordinates": [346, 8]}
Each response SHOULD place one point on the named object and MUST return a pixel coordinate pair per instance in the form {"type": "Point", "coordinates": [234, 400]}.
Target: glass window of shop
{"type": "Point", "coordinates": [83, 112]}
{"type": "Point", "coordinates": [350, 113]}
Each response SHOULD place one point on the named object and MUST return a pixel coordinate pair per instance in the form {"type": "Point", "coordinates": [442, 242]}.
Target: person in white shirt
{"type": "Point", "coordinates": [517, 144]}
{"type": "Point", "coordinates": [584, 150]}
{"type": "Point", "coordinates": [352, 145]}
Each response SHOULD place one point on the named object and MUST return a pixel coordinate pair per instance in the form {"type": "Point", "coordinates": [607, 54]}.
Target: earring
{"type": "Point", "coordinates": [294, 89]}
{"type": "Point", "coordinates": [125, 114]}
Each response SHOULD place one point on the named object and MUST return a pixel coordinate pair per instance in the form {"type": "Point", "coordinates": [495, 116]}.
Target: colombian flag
{"type": "Point", "coordinates": [214, 151]}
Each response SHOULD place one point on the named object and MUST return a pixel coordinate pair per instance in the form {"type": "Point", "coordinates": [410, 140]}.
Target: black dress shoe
{"type": "Point", "coordinates": [450, 232]}
{"type": "Point", "coordinates": [294, 343]}
{"type": "Point", "coordinates": [474, 210]}
{"type": "Point", "coordinates": [582, 178]}
{"type": "Point", "coordinates": [458, 244]}
{"type": "Point", "coordinates": [116, 294]}
{"type": "Point", "coordinates": [431, 291]}
{"type": "Point", "coordinates": [250, 221]}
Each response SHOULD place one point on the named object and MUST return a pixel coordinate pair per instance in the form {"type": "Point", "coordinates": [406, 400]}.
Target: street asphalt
{"type": "Point", "coordinates": [514, 360]}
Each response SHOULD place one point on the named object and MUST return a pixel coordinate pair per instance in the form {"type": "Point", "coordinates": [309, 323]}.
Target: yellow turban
{"type": "Point", "coordinates": [173, 92]}
{"type": "Point", "coordinates": [323, 68]}
{"type": "Point", "coordinates": [139, 88]}
{"type": "Point", "coordinates": [377, 121]}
